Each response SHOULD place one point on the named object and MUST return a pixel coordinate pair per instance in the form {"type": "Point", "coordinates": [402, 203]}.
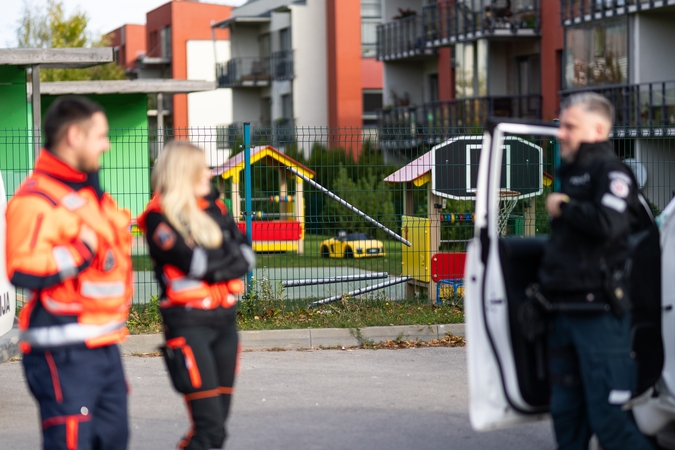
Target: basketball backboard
{"type": "Point", "coordinates": [454, 169]}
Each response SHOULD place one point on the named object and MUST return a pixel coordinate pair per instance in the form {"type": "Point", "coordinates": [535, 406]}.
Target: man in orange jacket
{"type": "Point", "coordinates": [69, 244]}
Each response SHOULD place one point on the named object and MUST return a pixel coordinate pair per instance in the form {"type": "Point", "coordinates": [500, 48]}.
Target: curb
{"type": "Point", "coordinates": [308, 337]}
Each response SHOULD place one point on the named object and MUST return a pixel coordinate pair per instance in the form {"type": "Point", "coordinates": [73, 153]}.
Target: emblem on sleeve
{"type": "Point", "coordinates": [619, 187]}
{"type": "Point", "coordinates": [109, 261]}
{"type": "Point", "coordinates": [164, 236]}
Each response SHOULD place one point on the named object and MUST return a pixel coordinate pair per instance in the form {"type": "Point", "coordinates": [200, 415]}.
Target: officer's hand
{"type": "Point", "coordinates": [88, 236]}
{"type": "Point", "coordinates": [553, 202]}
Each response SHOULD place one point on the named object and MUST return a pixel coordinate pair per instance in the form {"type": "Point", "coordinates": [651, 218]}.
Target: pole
{"type": "Point", "coordinates": [356, 292]}
{"type": "Point", "coordinates": [160, 122]}
{"type": "Point", "coordinates": [37, 112]}
{"type": "Point", "coordinates": [248, 206]}
{"type": "Point", "coordinates": [556, 162]}
{"type": "Point", "coordinates": [339, 279]}
{"type": "Point", "coordinates": [349, 206]}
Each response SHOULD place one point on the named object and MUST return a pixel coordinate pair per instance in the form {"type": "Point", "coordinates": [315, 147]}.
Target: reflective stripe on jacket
{"type": "Point", "coordinates": [83, 294]}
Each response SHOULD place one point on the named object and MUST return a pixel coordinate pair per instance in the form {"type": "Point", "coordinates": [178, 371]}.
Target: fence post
{"type": "Point", "coordinates": [248, 206]}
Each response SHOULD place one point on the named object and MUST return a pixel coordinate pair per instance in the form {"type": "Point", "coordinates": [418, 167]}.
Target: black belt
{"type": "Point", "coordinates": [569, 301]}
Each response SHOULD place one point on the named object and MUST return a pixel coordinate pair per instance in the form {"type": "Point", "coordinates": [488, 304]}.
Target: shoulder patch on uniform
{"type": "Point", "coordinates": [618, 175]}
{"type": "Point", "coordinates": [73, 201]}
{"type": "Point", "coordinates": [164, 236]}
{"type": "Point", "coordinates": [613, 202]}
{"type": "Point", "coordinates": [619, 187]}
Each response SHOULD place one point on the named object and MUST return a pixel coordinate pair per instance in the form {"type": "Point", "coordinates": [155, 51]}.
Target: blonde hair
{"type": "Point", "coordinates": [177, 170]}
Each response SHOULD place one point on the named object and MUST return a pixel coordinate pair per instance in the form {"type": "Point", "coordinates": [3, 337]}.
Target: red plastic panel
{"type": "Point", "coordinates": [446, 266]}
{"type": "Point", "coordinates": [274, 230]}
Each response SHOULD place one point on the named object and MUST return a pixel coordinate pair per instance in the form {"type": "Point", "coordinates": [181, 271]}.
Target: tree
{"type": "Point", "coordinates": [48, 27]}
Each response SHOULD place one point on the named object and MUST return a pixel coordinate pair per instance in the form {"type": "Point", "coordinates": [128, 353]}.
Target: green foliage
{"type": "Point", "coordinates": [145, 318]}
{"type": "Point", "coordinates": [46, 26]}
{"type": "Point", "coordinates": [369, 194]}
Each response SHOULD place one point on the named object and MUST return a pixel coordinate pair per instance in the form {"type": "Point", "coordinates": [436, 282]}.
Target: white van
{"type": "Point", "coordinates": [9, 333]}
{"type": "Point", "coordinates": [507, 367]}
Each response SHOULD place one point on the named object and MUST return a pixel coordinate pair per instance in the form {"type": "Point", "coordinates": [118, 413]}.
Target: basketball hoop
{"type": "Point", "coordinates": [507, 201]}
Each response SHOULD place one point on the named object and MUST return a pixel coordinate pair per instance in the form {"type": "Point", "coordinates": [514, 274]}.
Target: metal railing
{"type": "Point", "coordinates": [459, 20]}
{"type": "Point", "coordinates": [638, 105]}
{"type": "Point", "coordinates": [255, 71]}
{"type": "Point", "coordinates": [574, 11]}
{"type": "Point", "coordinates": [435, 120]}
{"type": "Point", "coordinates": [401, 38]}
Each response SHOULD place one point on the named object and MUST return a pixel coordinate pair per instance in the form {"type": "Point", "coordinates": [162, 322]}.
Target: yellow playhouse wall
{"type": "Point", "coordinates": [417, 257]}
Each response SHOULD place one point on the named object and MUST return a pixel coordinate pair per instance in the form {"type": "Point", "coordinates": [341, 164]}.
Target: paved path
{"type": "Point", "coordinates": [315, 400]}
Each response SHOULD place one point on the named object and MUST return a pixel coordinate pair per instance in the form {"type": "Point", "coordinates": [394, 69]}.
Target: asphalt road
{"type": "Point", "coordinates": [326, 399]}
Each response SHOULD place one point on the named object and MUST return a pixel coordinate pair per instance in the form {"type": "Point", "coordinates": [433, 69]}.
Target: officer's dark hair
{"type": "Point", "coordinates": [592, 102]}
{"type": "Point", "coordinates": [62, 114]}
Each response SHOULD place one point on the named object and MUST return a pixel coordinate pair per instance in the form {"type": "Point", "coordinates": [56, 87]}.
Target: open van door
{"type": "Point", "coordinates": [9, 333]}
{"type": "Point", "coordinates": [507, 363]}
{"type": "Point", "coordinates": [506, 372]}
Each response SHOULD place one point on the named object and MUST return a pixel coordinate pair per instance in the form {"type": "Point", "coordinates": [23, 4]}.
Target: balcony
{"type": "Point", "coordinates": [255, 72]}
{"type": "Point", "coordinates": [450, 21]}
{"type": "Point", "coordinates": [402, 38]}
{"type": "Point", "coordinates": [644, 105]}
{"type": "Point", "coordinates": [436, 121]}
{"type": "Point", "coordinates": [579, 11]}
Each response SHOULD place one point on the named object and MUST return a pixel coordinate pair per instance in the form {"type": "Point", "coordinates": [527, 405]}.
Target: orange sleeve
{"type": "Point", "coordinates": [42, 244]}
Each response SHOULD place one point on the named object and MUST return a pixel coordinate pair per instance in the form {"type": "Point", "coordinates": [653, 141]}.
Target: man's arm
{"type": "Point", "coordinates": [43, 247]}
{"type": "Point", "coordinates": [607, 215]}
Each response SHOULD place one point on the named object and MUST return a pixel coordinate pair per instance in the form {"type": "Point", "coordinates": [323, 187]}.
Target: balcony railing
{"type": "Point", "coordinates": [576, 11]}
{"type": "Point", "coordinates": [401, 38]}
{"type": "Point", "coordinates": [639, 105]}
{"type": "Point", "coordinates": [450, 21]}
{"type": "Point", "coordinates": [278, 133]}
{"type": "Point", "coordinates": [436, 121]}
{"type": "Point", "coordinates": [252, 71]}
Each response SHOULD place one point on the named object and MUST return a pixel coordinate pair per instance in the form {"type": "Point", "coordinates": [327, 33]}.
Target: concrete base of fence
{"type": "Point", "coordinates": [309, 337]}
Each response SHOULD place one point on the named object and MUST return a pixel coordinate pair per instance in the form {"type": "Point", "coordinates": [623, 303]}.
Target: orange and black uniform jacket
{"type": "Point", "coordinates": [79, 295]}
{"type": "Point", "coordinates": [195, 280]}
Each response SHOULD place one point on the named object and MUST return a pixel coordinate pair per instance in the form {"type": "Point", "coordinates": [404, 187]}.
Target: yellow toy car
{"type": "Point", "coordinates": [351, 245]}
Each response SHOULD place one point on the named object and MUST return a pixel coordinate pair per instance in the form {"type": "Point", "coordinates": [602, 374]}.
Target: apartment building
{"type": "Point", "coordinates": [177, 42]}
{"type": "Point", "coordinates": [450, 64]}
{"type": "Point", "coordinates": [303, 63]}
{"type": "Point", "coordinates": [620, 48]}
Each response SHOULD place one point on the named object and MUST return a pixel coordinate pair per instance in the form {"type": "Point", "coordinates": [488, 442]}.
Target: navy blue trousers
{"type": "Point", "coordinates": [592, 376]}
{"type": "Point", "coordinates": [82, 395]}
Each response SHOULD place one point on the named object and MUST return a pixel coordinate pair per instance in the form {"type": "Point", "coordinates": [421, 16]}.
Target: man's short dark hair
{"type": "Point", "coordinates": [63, 113]}
{"type": "Point", "coordinates": [592, 102]}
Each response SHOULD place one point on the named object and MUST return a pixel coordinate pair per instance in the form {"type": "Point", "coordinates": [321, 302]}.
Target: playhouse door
{"type": "Point", "coordinates": [507, 372]}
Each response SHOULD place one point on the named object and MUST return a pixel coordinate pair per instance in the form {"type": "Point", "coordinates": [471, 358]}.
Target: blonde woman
{"type": "Point", "coordinates": [199, 255]}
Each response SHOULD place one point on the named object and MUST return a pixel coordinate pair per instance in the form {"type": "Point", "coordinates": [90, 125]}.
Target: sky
{"type": "Point", "coordinates": [104, 16]}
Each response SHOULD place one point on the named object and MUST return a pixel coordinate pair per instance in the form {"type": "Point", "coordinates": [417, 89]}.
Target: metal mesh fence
{"type": "Point", "coordinates": [312, 246]}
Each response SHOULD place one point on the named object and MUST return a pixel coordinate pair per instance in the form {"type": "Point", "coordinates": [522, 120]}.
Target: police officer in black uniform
{"type": "Point", "coordinates": [591, 370]}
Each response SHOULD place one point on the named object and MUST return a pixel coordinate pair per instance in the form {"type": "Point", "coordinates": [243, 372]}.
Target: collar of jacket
{"type": "Point", "coordinates": [589, 151]}
{"type": "Point", "coordinates": [50, 164]}
{"type": "Point", "coordinates": [155, 205]}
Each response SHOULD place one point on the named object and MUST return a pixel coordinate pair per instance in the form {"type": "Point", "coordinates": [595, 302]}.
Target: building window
{"type": "Point", "coordinates": [471, 69]}
{"type": "Point", "coordinates": [372, 102]}
{"type": "Point", "coordinates": [433, 87]}
{"type": "Point", "coordinates": [264, 45]}
{"type": "Point", "coordinates": [596, 54]}
{"type": "Point", "coordinates": [285, 44]}
{"type": "Point", "coordinates": [287, 107]}
{"type": "Point", "coordinates": [166, 42]}
{"type": "Point", "coordinates": [371, 17]}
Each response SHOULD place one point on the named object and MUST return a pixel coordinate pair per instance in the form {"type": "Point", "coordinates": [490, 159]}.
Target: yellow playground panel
{"type": "Point", "coordinates": [417, 258]}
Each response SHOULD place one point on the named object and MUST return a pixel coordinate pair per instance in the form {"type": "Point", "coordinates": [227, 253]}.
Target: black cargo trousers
{"type": "Point", "coordinates": [202, 361]}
